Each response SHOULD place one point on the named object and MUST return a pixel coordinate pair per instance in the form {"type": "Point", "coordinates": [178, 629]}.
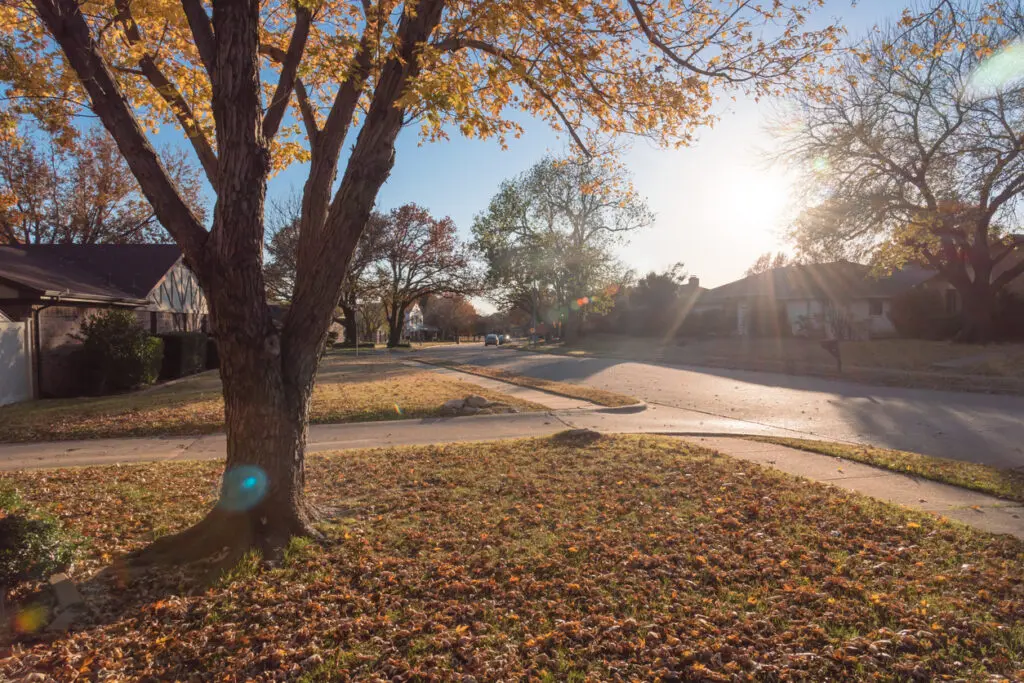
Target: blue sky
{"type": "Point", "coordinates": [718, 204]}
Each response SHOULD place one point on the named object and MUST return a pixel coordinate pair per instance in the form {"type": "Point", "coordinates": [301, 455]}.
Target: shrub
{"type": "Point", "coordinates": [32, 549]}
{"type": "Point", "coordinates": [1009, 318]}
{"type": "Point", "coordinates": [921, 314]}
{"type": "Point", "coordinates": [184, 354]}
{"type": "Point", "coordinates": [118, 353]}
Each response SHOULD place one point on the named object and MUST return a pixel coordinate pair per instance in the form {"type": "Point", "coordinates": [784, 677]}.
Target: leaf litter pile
{"type": "Point", "coordinates": [569, 558]}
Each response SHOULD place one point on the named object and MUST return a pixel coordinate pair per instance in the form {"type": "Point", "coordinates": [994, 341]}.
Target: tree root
{"type": "Point", "coordinates": [224, 537]}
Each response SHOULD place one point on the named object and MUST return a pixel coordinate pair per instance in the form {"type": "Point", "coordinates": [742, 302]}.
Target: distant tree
{"type": "Point", "coordinates": [358, 286]}
{"type": "Point", "coordinates": [555, 227]}
{"type": "Point", "coordinates": [451, 314]}
{"type": "Point", "coordinates": [769, 261]}
{"type": "Point", "coordinates": [915, 154]}
{"type": "Point", "coordinates": [79, 192]}
{"type": "Point", "coordinates": [419, 255]}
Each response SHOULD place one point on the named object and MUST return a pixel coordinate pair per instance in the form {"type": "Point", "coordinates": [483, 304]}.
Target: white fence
{"type": "Point", "coordinates": [15, 363]}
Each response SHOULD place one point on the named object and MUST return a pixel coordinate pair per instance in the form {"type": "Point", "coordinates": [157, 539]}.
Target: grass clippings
{"type": "Point", "coordinates": [561, 559]}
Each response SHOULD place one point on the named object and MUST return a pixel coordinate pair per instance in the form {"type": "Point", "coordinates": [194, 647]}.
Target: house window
{"type": "Point", "coordinates": [951, 301]}
{"type": "Point", "coordinates": [875, 307]}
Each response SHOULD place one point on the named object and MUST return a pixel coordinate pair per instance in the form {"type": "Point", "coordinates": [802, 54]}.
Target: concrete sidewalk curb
{"type": "Point", "coordinates": [637, 407]}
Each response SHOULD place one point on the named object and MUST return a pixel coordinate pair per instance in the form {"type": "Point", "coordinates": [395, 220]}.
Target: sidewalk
{"type": "Point", "coordinates": [976, 509]}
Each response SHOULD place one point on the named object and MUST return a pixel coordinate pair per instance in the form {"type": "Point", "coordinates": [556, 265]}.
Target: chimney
{"type": "Point", "coordinates": [693, 282]}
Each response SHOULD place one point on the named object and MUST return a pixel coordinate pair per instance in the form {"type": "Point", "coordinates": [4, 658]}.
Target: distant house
{"type": "Point", "coordinates": [414, 328]}
{"type": "Point", "coordinates": [53, 288]}
{"type": "Point", "coordinates": [812, 300]}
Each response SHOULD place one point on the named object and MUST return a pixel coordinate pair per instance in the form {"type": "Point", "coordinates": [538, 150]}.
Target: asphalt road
{"type": "Point", "coordinates": [985, 428]}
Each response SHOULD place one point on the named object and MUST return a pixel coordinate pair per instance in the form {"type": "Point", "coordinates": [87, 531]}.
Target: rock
{"type": "Point", "coordinates": [469, 410]}
{"type": "Point", "coordinates": [63, 621]}
{"type": "Point", "coordinates": [453, 404]}
{"type": "Point", "coordinates": [65, 591]}
{"type": "Point", "coordinates": [477, 401]}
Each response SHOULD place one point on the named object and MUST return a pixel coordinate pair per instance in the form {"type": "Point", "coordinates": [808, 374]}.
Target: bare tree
{"type": "Point", "coordinates": [907, 160]}
{"type": "Point", "coordinates": [419, 256]}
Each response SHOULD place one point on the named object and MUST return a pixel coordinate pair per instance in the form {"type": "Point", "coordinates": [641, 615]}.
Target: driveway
{"type": "Point", "coordinates": [984, 428]}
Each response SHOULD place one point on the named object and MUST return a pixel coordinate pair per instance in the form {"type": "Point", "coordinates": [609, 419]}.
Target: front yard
{"type": "Point", "coordinates": [347, 390]}
{"type": "Point", "coordinates": [559, 559]}
{"type": "Point", "coordinates": [897, 362]}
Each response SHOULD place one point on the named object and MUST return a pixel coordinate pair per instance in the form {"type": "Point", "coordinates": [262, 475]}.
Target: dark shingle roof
{"type": "Point", "coordinates": [838, 280]}
{"type": "Point", "coordinates": [102, 271]}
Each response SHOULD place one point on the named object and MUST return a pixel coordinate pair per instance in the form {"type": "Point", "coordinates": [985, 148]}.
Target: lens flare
{"type": "Point", "coordinates": [398, 410]}
{"type": "Point", "coordinates": [30, 619]}
{"type": "Point", "coordinates": [244, 488]}
{"type": "Point", "coordinates": [820, 165]}
{"type": "Point", "coordinates": [1000, 71]}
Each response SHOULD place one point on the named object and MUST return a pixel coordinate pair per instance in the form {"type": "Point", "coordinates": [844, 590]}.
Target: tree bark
{"type": "Point", "coordinates": [979, 307]}
{"type": "Point", "coordinates": [348, 323]}
{"type": "Point", "coordinates": [396, 323]}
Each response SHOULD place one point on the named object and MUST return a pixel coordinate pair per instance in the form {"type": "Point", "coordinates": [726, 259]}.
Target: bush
{"type": "Point", "coordinates": [184, 354]}
{"type": "Point", "coordinates": [1009, 320]}
{"type": "Point", "coordinates": [119, 354]}
{"type": "Point", "coordinates": [921, 314]}
{"type": "Point", "coordinates": [32, 549]}
{"type": "Point", "coordinates": [212, 354]}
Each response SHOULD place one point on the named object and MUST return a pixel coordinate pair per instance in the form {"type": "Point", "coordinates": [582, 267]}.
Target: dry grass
{"type": "Point", "coordinates": [347, 390]}
{"type": "Point", "coordinates": [560, 559]}
{"type": "Point", "coordinates": [896, 362]}
{"type": "Point", "coordinates": [1008, 484]}
{"type": "Point", "coordinates": [600, 397]}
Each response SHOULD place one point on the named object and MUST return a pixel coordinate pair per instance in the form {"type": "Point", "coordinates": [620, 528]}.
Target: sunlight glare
{"type": "Point", "coordinates": [1000, 71]}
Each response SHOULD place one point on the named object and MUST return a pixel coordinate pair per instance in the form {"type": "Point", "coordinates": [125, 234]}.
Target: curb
{"type": "Point", "coordinates": [637, 407]}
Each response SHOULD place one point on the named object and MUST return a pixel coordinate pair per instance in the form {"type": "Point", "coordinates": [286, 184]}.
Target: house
{"type": "Point", "coordinates": [414, 328]}
{"type": "Point", "coordinates": [54, 287]}
{"type": "Point", "coordinates": [816, 300]}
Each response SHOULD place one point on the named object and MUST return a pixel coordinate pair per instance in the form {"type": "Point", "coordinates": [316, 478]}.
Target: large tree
{"type": "Point", "coordinates": [452, 314]}
{"type": "Point", "coordinates": [79, 190]}
{"type": "Point", "coordinates": [255, 86]}
{"type": "Point", "coordinates": [556, 227]}
{"type": "Point", "coordinates": [419, 256]}
{"type": "Point", "coordinates": [911, 157]}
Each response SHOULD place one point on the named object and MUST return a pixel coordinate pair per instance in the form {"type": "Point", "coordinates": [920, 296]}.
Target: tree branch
{"type": "Point", "coordinates": [202, 32]}
{"type": "Point", "coordinates": [170, 94]}
{"type": "Point", "coordinates": [65, 22]}
{"type": "Point", "coordinates": [289, 66]}
{"type": "Point", "coordinates": [455, 44]}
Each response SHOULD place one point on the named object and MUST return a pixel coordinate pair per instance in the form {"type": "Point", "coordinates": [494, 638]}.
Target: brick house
{"type": "Point", "coordinates": [54, 287]}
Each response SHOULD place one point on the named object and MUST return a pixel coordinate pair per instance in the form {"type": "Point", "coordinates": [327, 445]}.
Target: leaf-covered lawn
{"type": "Point", "coordinates": [1008, 484]}
{"type": "Point", "coordinates": [585, 393]}
{"type": "Point", "coordinates": [347, 390]}
{"type": "Point", "coordinates": [624, 558]}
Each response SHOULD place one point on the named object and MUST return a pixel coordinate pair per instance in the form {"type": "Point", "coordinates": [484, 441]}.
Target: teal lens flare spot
{"type": "Point", "coordinates": [244, 488]}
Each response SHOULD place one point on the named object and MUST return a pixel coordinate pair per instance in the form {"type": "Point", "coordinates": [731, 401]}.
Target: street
{"type": "Point", "coordinates": [974, 427]}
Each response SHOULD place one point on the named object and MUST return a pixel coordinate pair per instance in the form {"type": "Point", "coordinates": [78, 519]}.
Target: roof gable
{"type": "Point", "coordinates": [107, 271]}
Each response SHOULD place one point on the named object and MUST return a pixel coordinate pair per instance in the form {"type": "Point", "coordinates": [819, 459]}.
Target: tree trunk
{"type": "Point", "coordinates": [979, 306]}
{"type": "Point", "coordinates": [395, 325]}
{"type": "Point", "coordinates": [348, 323]}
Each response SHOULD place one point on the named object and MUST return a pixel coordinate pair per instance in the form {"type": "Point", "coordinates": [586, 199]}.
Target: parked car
{"type": "Point", "coordinates": [491, 340]}
{"type": "Point", "coordinates": [502, 338]}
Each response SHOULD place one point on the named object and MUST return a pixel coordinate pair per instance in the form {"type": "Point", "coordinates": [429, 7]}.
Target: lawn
{"type": "Point", "coordinates": [561, 559]}
{"type": "Point", "coordinates": [347, 390]}
{"type": "Point", "coordinates": [1008, 484]}
{"type": "Point", "coordinates": [599, 396]}
{"type": "Point", "coordinates": [896, 362]}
